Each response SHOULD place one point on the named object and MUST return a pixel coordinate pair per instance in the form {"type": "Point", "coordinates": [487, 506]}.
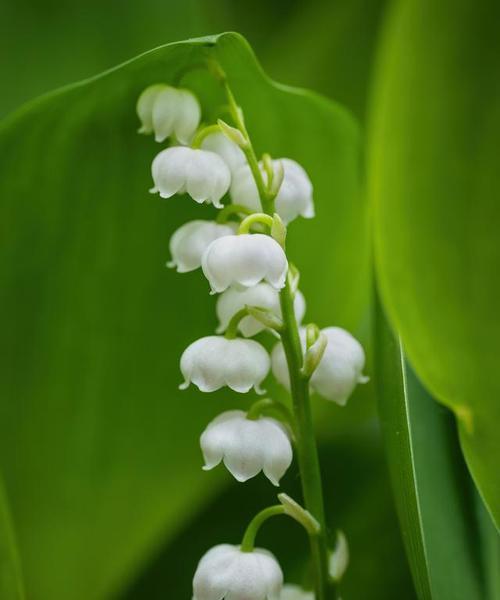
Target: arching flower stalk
{"type": "Point", "coordinates": [242, 253]}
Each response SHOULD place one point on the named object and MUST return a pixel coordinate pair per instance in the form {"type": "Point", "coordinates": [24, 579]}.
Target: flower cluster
{"type": "Point", "coordinates": [242, 255]}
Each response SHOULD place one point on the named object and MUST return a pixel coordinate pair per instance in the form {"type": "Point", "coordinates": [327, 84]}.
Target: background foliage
{"type": "Point", "coordinates": [98, 449]}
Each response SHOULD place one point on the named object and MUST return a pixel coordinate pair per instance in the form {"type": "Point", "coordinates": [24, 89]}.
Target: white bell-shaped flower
{"type": "Point", "coordinates": [261, 295]}
{"type": "Point", "coordinates": [189, 242]}
{"type": "Point", "coordinates": [167, 110]}
{"type": "Point", "coordinates": [231, 153]}
{"type": "Point", "coordinates": [294, 197]}
{"type": "Point", "coordinates": [244, 260]}
{"type": "Point", "coordinates": [295, 592]}
{"type": "Point", "coordinates": [200, 173]}
{"type": "Point", "coordinates": [214, 361]}
{"type": "Point", "coordinates": [227, 573]}
{"type": "Point", "coordinates": [247, 446]}
{"type": "Point", "coordinates": [339, 370]}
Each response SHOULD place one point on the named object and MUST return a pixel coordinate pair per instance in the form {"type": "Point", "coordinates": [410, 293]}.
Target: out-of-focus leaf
{"type": "Point", "coordinates": [435, 188]}
{"type": "Point", "coordinates": [11, 583]}
{"type": "Point", "coordinates": [106, 461]}
{"type": "Point", "coordinates": [433, 490]}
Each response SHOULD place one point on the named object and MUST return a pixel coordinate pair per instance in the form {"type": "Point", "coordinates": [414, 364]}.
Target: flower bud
{"type": "Point", "coordinates": [225, 572]}
{"type": "Point", "coordinates": [261, 295]}
{"type": "Point", "coordinates": [339, 370]}
{"type": "Point", "coordinates": [214, 361]}
{"type": "Point", "coordinates": [247, 446]}
{"type": "Point", "coordinates": [294, 592]}
{"type": "Point", "coordinates": [244, 260]}
{"type": "Point", "coordinates": [295, 193]}
{"type": "Point", "coordinates": [230, 153]}
{"type": "Point", "coordinates": [200, 173]}
{"type": "Point", "coordinates": [189, 242]}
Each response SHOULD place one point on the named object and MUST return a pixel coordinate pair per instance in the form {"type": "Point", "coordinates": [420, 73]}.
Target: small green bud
{"type": "Point", "coordinates": [232, 134]}
{"type": "Point", "coordinates": [265, 316]}
{"type": "Point", "coordinates": [314, 354]}
{"type": "Point", "coordinates": [278, 230]}
{"type": "Point", "coordinates": [300, 514]}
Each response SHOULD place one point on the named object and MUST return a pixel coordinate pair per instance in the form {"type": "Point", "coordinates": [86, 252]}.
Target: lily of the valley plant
{"type": "Point", "coordinates": [242, 254]}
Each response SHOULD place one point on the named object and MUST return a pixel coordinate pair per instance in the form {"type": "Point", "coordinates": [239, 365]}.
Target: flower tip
{"type": "Point", "coordinates": [160, 138]}
{"type": "Point", "coordinates": [143, 130]}
{"type": "Point", "coordinates": [184, 385]}
{"type": "Point", "coordinates": [170, 264]}
{"type": "Point", "coordinates": [363, 379]}
{"type": "Point", "coordinates": [258, 390]}
{"type": "Point", "coordinates": [153, 190]}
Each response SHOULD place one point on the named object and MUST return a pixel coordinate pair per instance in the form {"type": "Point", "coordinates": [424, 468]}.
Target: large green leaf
{"type": "Point", "coordinates": [106, 462]}
{"type": "Point", "coordinates": [435, 496]}
{"type": "Point", "coordinates": [435, 188]}
{"type": "Point", "coordinates": [11, 583]}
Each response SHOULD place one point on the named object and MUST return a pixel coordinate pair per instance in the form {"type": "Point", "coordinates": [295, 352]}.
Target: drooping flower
{"type": "Point", "coordinates": [295, 592]}
{"type": "Point", "coordinates": [189, 242]}
{"type": "Point", "coordinates": [226, 149]}
{"type": "Point", "coordinates": [167, 110]}
{"type": "Point", "coordinates": [339, 370]}
{"type": "Point", "coordinates": [294, 197]}
{"type": "Point", "coordinates": [261, 295]}
{"type": "Point", "coordinates": [214, 361]}
{"type": "Point", "coordinates": [247, 446]}
{"type": "Point", "coordinates": [227, 573]}
{"type": "Point", "coordinates": [244, 260]}
{"type": "Point", "coordinates": [200, 173]}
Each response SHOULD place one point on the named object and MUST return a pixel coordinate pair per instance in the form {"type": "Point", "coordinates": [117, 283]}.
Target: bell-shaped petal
{"type": "Point", "coordinates": [227, 573]}
{"type": "Point", "coordinates": [189, 242]}
{"type": "Point", "coordinates": [247, 446]}
{"type": "Point", "coordinates": [339, 370]}
{"type": "Point", "coordinates": [175, 111]}
{"type": "Point", "coordinates": [261, 295]}
{"type": "Point", "coordinates": [200, 173]}
{"type": "Point", "coordinates": [295, 592]}
{"type": "Point", "coordinates": [231, 153]}
{"type": "Point", "coordinates": [145, 105]}
{"type": "Point", "coordinates": [294, 197]}
{"type": "Point", "coordinates": [213, 362]}
{"type": "Point", "coordinates": [244, 260]}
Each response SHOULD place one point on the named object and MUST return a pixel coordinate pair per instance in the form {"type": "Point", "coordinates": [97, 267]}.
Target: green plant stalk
{"type": "Point", "coordinates": [307, 450]}
{"type": "Point", "coordinates": [248, 542]}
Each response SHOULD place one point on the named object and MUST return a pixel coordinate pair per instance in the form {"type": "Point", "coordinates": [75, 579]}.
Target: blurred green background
{"type": "Point", "coordinates": [329, 46]}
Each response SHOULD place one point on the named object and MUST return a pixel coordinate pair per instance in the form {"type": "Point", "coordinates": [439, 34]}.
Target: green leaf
{"type": "Point", "coordinates": [434, 494]}
{"type": "Point", "coordinates": [435, 184]}
{"type": "Point", "coordinates": [107, 462]}
{"type": "Point", "coordinates": [11, 584]}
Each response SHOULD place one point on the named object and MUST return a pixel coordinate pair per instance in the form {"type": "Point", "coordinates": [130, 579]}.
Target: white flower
{"type": "Point", "coordinates": [294, 197]}
{"type": "Point", "coordinates": [189, 242]}
{"type": "Point", "coordinates": [261, 295]}
{"type": "Point", "coordinates": [244, 260]}
{"type": "Point", "coordinates": [231, 153]}
{"type": "Point", "coordinates": [339, 370]}
{"type": "Point", "coordinates": [227, 573]}
{"type": "Point", "coordinates": [166, 111]}
{"type": "Point", "coordinates": [294, 592]}
{"type": "Point", "coordinates": [247, 446]}
{"type": "Point", "coordinates": [214, 361]}
{"type": "Point", "coordinates": [200, 173]}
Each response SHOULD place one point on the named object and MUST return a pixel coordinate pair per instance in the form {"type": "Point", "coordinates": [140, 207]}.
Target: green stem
{"type": "Point", "coordinates": [307, 451]}
{"type": "Point", "coordinates": [266, 196]}
{"type": "Point", "coordinates": [247, 223]}
{"type": "Point", "coordinates": [203, 133]}
{"type": "Point", "coordinates": [230, 210]}
{"type": "Point", "coordinates": [232, 328]}
{"type": "Point", "coordinates": [248, 542]}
